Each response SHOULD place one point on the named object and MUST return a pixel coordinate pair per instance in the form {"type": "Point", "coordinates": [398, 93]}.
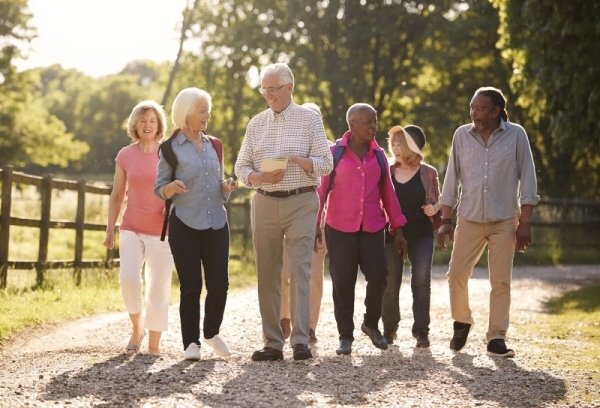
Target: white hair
{"type": "Point", "coordinates": [312, 106]}
{"type": "Point", "coordinates": [358, 107]}
{"type": "Point", "coordinates": [280, 69]}
{"type": "Point", "coordinates": [185, 102]}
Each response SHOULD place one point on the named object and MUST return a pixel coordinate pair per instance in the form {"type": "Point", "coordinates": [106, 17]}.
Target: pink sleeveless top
{"type": "Point", "coordinates": [143, 211]}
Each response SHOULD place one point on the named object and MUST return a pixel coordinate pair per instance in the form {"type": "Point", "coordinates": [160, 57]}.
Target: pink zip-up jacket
{"type": "Point", "coordinates": [356, 202]}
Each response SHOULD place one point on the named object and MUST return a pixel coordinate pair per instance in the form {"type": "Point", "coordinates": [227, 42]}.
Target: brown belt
{"type": "Point", "coordinates": [286, 193]}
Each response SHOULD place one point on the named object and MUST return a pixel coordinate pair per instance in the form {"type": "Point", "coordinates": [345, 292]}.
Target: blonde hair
{"type": "Point", "coordinates": [185, 102]}
{"type": "Point", "coordinates": [136, 115]}
{"type": "Point", "coordinates": [410, 158]}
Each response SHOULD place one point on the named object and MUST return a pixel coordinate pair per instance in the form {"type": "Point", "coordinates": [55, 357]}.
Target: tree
{"type": "Point", "coordinates": [28, 133]}
{"type": "Point", "coordinates": [552, 47]}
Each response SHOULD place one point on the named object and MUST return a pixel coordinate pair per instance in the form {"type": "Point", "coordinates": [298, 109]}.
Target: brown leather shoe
{"type": "Point", "coordinates": [390, 336]}
{"type": "Point", "coordinates": [267, 354]}
{"type": "Point", "coordinates": [286, 327]}
{"type": "Point", "coordinates": [301, 352]}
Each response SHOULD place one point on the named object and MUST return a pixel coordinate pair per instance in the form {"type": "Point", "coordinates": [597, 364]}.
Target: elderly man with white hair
{"type": "Point", "coordinates": [284, 211]}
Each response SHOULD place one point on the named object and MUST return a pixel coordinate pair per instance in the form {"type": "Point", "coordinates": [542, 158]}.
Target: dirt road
{"type": "Point", "coordinates": [80, 363]}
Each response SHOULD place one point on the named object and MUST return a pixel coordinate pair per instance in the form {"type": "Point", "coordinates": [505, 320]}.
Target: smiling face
{"type": "Point", "coordinates": [484, 114]}
{"type": "Point", "coordinates": [147, 126]}
{"type": "Point", "coordinates": [363, 125]}
{"type": "Point", "coordinates": [276, 91]}
{"type": "Point", "coordinates": [197, 118]}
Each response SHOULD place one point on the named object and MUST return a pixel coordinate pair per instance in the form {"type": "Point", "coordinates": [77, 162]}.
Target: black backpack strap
{"type": "Point", "coordinates": [383, 164]}
{"type": "Point", "coordinates": [166, 148]}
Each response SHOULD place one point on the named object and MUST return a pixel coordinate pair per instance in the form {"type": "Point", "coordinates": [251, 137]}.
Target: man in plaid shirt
{"type": "Point", "coordinates": [285, 208]}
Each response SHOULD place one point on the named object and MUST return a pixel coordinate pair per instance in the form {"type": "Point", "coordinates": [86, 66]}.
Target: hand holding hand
{"type": "Point", "coordinates": [429, 210]}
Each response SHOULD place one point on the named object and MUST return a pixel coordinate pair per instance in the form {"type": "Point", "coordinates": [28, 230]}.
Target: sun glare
{"type": "Point", "coordinates": [100, 37]}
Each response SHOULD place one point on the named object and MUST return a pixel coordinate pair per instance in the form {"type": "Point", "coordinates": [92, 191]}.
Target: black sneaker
{"type": "Point", "coordinates": [461, 332]}
{"type": "Point", "coordinates": [390, 335]}
{"type": "Point", "coordinates": [497, 348]}
{"type": "Point", "coordinates": [422, 339]}
{"type": "Point", "coordinates": [344, 348]}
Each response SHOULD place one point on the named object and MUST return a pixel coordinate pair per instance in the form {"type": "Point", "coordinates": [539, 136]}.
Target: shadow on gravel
{"type": "Point", "coordinates": [125, 380]}
{"type": "Point", "coordinates": [508, 384]}
{"type": "Point", "coordinates": [335, 380]}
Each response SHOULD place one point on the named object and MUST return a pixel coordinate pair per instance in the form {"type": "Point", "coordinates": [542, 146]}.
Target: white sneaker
{"type": "Point", "coordinates": [192, 352]}
{"type": "Point", "coordinates": [218, 346]}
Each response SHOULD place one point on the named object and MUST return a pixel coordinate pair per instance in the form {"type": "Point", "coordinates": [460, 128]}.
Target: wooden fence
{"type": "Point", "coordinates": [11, 179]}
{"type": "Point", "coordinates": [570, 222]}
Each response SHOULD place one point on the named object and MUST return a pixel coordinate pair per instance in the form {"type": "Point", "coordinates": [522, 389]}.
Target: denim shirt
{"type": "Point", "coordinates": [201, 207]}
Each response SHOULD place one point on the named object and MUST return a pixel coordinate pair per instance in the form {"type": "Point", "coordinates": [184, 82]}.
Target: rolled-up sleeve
{"type": "Point", "coordinates": [449, 195]}
{"type": "Point", "coordinates": [320, 153]}
{"type": "Point", "coordinates": [526, 172]}
{"type": "Point", "coordinates": [163, 176]}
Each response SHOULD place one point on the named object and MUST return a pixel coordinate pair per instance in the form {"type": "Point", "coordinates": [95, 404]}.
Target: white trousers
{"type": "Point", "coordinates": [135, 251]}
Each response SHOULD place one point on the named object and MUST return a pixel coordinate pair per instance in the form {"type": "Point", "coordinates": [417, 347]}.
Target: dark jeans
{"type": "Point", "coordinates": [420, 254]}
{"type": "Point", "coordinates": [348, 251]}
{"type": "Point", "coordinates": [194, 250]}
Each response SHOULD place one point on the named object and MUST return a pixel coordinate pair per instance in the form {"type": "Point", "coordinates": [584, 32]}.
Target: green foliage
{"type": "Point", "coordinates": [552, 47]}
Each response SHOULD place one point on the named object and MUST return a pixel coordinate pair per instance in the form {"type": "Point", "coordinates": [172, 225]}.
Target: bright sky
{"type": "Point", "coordinates": [100, 37]}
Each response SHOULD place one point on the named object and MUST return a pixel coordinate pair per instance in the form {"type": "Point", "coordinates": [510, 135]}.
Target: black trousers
{"type": "Point", "coordinates": [196, 251]}
{"type": "Point", "coordinates": [348, 251]}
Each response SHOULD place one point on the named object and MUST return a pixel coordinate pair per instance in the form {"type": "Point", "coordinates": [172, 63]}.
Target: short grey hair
{"type": "Point", "coordinates": [280, 69]}
{"type": "Point", "coordinates": [185, 102]}
{"type": "Point", "coordinates": [136, 115]}
{"type": "Point", "coordinates": [312, 106]}
{"type": "Point", "coordinates": [358, 107]}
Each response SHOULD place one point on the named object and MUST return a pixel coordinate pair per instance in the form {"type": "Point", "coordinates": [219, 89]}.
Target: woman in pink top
{"type": "Point", "coordinates": [359, 204]}
{"type": "Point", "coordinates": [141, 226]}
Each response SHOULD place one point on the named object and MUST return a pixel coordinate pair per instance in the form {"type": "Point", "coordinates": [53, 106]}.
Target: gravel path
{"type": "Point", "coordinates": [79, 363]}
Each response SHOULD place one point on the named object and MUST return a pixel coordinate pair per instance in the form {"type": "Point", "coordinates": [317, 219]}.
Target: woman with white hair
{"type": "Point", "coordinates": [135, 171]}
{"type": "Point", "coordinates": [198, 228]}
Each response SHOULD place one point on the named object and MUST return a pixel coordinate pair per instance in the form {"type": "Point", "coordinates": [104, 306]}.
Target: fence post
{"type": "Point", "coordinates": [79, 224]}
{"type": "Point", "coordinates": [5, 223]}
{"type": "Point", "coordinates": [46, 196]}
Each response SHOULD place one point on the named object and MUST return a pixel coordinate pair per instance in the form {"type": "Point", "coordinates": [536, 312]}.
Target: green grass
{"type": "Point", "coordinates": [23, 305]}
{"type": "Point", "coordinates": [572, 323]}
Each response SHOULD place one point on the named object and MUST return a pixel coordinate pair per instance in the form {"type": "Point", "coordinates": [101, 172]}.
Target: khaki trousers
{"type": "Point", "coordinates": [316, 284]}
{"type": "Point", "coordinates": [470, 240]}
{"type": "Point", "coordinates": [274, 221]}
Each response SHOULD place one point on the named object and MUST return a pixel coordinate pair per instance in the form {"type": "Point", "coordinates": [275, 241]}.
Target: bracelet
{"type": "Point", "coordinates": [447, 221]}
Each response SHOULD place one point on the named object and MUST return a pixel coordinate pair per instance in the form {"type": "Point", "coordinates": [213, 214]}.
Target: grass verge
{"type": "Point", "coordinates": [59, 299]}
{"type": "Point", "coordinates": [569, 336]}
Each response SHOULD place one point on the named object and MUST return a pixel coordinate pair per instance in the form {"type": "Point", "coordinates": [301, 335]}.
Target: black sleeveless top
{"type": "Point", "coordinates": [411, 196]}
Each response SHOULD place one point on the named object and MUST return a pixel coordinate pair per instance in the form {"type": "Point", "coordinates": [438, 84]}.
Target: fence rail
{"type": "Point", "coordinates": [46, 184]}
{"type": "Point", "coordinates": [566, 220]}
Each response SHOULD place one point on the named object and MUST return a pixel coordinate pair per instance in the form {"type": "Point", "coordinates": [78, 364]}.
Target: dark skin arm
{"type": "Point", "coordinates": [523, 234]}
{"type": "Point", "coordinates": [445, 230]}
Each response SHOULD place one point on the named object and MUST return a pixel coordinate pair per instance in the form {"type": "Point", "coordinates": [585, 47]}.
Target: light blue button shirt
{"type": "Point", "coordinates": [491, 181]}
{"type": "Point", "coordinates": [201, 207]}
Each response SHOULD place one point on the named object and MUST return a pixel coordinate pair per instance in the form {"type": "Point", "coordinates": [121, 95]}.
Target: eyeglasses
{"type": "Point", "coordinates": [270, 89]}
